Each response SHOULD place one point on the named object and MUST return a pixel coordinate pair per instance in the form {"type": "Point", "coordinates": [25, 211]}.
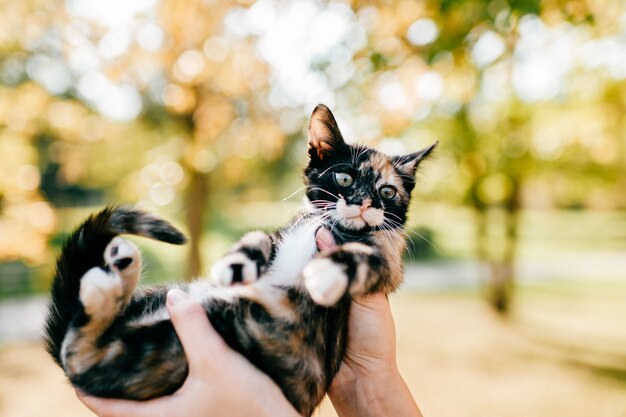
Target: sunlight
{"type": "Point", "coordinates": [293, 39]}
{"type": "Point", "coordinates": [422, 32]}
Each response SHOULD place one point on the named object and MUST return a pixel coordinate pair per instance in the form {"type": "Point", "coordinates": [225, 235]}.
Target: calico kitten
{"type": "Point", "coordinates": [273, 298]}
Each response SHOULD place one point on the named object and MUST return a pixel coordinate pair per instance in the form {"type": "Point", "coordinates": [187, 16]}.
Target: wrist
{"type": "Point", "coordinates": [363, 393]}
{"type": "Point", "coordinates": [379, 392]}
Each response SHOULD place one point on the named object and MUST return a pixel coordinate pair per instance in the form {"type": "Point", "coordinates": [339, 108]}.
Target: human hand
{"type": "Point", "coordinates": [368, 382]}
{"type": "Point", "coordinates": [370, 319]}
{"type": "Point", "coordinates": [221, 382]}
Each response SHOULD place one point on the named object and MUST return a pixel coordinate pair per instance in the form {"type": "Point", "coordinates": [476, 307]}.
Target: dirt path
{"type": "Point", "coordinates": [558, 356]}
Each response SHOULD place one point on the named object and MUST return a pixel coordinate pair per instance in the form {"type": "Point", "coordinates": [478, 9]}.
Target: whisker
{"type": "Point", "coordinates": [387, 230]}
{"type": "Point", "coordinates": [294, 193]}
{"type": "Point", "coordinates": [394, 215]}
{"type": "Point", "coordinates": [324, 207]}
{"type": "Point", "coordinates": [323, 204]}
{"type": "Point", "coordinates": [325, 216]}
{"type": "Point", "coordinates": [406, 231]}
{"type": "Point", "coordinates": [333, 166]}
{"type": "Point", "coordinates": [322, 201]}
{"type": "Point", "coordinates": [325, 191]}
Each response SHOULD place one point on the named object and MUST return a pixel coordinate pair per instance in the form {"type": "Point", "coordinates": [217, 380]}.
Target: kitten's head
{"type": "Point", "coordinates": [358, 188]}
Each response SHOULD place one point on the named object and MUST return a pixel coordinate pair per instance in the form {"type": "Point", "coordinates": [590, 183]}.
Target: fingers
{"type": "Point", "coordinates": [104, 407]}
{"type": "Point", "coordinates": [324, 239]}
{"type": "Point", "coordinates": [200, 341]}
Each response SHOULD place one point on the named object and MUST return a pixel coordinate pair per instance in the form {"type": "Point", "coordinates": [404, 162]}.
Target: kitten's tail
{"type": "Point", "coordinates": [84, 250]}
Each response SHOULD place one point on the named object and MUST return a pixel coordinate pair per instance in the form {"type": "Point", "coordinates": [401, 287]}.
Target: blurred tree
{"type": "Point", "coordinates": [194, 86]}
{"type": "Point", "coordinates": [175, 102]}
{"type": "Point", "coordinates": [489, 78]}
{"type": "Point", "coordinates": [208, 86]}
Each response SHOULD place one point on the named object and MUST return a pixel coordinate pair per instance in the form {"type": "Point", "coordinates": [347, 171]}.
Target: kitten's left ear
{"type": "Point", "coordinates": [407, 164]}
{"type": "Point", "coordinates": [325, 139]}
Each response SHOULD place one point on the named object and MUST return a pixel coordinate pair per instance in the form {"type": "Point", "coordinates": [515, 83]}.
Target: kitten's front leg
{"type": "Point", "coordinates": [246, 261]}
{"type": "Point", "coordinates": [355, 267]}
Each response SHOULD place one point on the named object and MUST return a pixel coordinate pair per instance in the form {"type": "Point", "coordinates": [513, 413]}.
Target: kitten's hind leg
{"type": "Point", "coordinates": [123, 257]}
{"type": "Point", "coordinates": [105, 291]}
{"type": "Point", "coordinates": [246, 261]}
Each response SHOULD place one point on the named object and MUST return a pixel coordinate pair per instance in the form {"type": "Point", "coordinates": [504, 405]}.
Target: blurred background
{"type": "Point", "coordinates": [514, 301]}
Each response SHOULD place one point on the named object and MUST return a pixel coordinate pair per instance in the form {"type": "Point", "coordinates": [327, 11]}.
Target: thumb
{"type": "Point", "coordinates": [324, 239]}
{"type": "Point", "coordinates": [199, 339]}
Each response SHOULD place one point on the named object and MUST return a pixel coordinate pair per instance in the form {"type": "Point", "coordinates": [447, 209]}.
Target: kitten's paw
{"type": "Point", "coordinates": [256, 241]}
{"type": "Point", "coordinates": [101, 293]}
{"type": "Point", "coordinates": [122, 255]}
{"type": "Point", "coordinates": [124, 259]}
{"type": "Point", "coordinates": [234, 268]}
{"type": "Point", "coordinates": [325, 281]}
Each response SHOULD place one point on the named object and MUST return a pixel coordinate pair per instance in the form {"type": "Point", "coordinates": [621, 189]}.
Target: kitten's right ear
{"type": "Point", "coordinates": [325, 139]}
{"type": "Point", "coordinates": [407, 164]}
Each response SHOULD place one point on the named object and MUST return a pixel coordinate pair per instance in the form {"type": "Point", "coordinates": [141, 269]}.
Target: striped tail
{"type": "Point", "coordinates": [84, 250]}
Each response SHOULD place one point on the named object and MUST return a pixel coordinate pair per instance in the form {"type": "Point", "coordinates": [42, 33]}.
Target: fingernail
{"type": "Point", "coordinates": [175, 296]}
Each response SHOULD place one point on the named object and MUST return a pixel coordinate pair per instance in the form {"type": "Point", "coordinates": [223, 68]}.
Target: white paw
{"type": "Point", "coordinates": [234, 268]}
{"type": "Point", "coordinates": [258, 240]}
{"type": "Point", "coordinates": [325, 280]}
{"type": "Point", "coordinates": [122, 255]}
{"type": "Point", "coordinates": [100, 293]}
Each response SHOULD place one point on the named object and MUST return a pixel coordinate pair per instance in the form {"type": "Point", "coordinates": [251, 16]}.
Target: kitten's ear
{"type": "Point", "coordinates": [407, 164]}
{"type": "Point", "coordinates": [324, 136]}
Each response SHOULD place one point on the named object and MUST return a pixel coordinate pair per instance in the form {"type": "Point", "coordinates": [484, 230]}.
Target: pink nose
{"type": "Point", "coordinates": [367, 203]}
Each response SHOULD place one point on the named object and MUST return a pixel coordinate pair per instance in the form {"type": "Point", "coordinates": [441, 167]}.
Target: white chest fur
{"type": "Point", "coordinates": [294, 252]}
{"type": "Point", "coordinates": [296, 249]}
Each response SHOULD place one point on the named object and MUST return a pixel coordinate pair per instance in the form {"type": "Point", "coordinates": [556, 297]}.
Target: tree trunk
{"type": "Point", "coordinates": [197, 197]}
{"type": "Point", "coordinates": [502, 273]}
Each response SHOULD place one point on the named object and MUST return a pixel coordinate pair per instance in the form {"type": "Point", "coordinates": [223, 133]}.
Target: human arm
{"type": "Point", "coordinates": [221, 382]}
{"type": "Point", "coordinates": [369, 383]}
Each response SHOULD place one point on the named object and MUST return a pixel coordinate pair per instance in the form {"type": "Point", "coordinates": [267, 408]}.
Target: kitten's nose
{"type": "Point", "coordinates": [367, 203]}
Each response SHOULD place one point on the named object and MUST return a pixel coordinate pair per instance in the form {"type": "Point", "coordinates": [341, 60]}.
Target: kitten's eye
{"type": "Point", "coordinates": [343, 180]}
{"type": "Point", "coordinates": [387, 192]}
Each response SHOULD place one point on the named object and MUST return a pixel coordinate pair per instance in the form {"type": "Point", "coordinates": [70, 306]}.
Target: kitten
{"type": "Point", "coordinates": [273, 298]}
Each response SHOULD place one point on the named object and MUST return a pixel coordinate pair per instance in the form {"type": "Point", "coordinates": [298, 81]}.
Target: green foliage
{"type": "Point", "coordinates": [193, 114]}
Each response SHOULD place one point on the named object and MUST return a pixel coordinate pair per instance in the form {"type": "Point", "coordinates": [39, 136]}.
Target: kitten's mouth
{"type": "Point", "coordinates": [357, 217]}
